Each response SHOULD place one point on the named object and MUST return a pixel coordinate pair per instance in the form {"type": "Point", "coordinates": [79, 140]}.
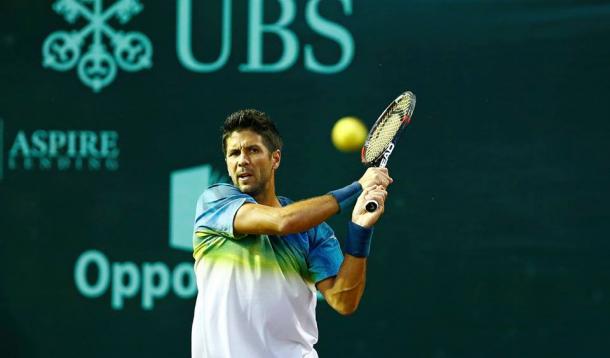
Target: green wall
{"type": "Point", "coordinates": [493, 243]}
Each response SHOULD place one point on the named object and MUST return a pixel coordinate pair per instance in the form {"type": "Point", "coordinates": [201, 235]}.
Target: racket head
{"type": "Point", "coordinates": [387, 129]}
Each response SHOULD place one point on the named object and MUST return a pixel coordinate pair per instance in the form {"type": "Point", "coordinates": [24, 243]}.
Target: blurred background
{"type": "Point", "coordinates": [494, 241]}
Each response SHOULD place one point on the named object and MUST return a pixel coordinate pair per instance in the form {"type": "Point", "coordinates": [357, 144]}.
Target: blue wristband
{"type": "Point", "coordinates": [346, 196]}
{"type": "Point", "coordinates": [358, 241]}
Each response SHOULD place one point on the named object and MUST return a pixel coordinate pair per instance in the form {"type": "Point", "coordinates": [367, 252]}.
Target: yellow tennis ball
{"type": "Point", "coordinates": [349, 134]}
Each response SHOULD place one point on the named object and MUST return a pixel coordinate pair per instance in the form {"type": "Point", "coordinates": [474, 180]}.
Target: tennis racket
{"type": "Point", "coordinates": [384, 134]}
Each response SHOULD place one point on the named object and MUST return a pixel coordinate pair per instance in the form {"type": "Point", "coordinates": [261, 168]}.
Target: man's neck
{"type": "Point", "coordinates": [269, 200]}
{"type": "Point", "coordinates": [268, 197]}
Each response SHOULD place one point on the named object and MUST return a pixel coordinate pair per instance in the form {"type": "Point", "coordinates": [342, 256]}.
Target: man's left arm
{"type": "Point", "coordinates": [344, 291]}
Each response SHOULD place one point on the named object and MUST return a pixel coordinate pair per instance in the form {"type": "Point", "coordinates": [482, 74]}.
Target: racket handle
{"type": "Point", "coordinates": [371, 206]}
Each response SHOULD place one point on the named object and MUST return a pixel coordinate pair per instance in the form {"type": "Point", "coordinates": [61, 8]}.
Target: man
{"type": "Point", "coordinates": [259, 258]}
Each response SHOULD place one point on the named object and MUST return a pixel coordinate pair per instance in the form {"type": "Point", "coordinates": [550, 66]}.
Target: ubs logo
{"type": "Point", "coordinates": [97, 67]}
{"type": "Point", "coordinates": [257, 29]}
{"type": "Point", "coordinates": [98, 50]}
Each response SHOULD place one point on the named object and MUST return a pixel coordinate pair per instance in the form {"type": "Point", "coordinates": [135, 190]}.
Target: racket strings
{"type": "Point", "coordinates": [386, 129]}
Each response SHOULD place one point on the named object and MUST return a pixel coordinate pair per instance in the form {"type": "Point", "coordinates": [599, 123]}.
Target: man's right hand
{"type": "Point", "coordinates": [360, 215]}
{"type": "Point", "coordinates": [375, 176]}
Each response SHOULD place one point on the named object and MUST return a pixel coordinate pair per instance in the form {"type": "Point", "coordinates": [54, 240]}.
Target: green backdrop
{"type": "Point", "coordinates": [493, 243]}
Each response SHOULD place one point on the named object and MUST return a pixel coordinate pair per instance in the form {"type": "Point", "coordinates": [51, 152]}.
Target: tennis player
{"type": "Point", "coordinates": [259, 258]}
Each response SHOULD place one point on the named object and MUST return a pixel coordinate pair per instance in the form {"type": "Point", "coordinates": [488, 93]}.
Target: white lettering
{"type": "Point", "coordinates": [108, 144]}
{"type": "Point", "coordinates": [57, 140]}
{"type": "Point", "coordinates": [80, 273]}
{"type": "Point", "coordinates": [125, 279]}
{"type": "Point", "coordinates": [39, 143]}
{"type": "Point", "coordinates": [386, 155]}
{"type": "Point", "coordinates": [150, 290]}
{"type": "Point", "coordinates": [88, 140]}
{"type": "Point", "coordinates": [184, 33]}
{"type": "Point", "coordinates": [20, 144]}
{"type": "Point", "coordinates": [72, 144]}
{"type": "Point", "coordinates": [332, 31]}
{"type": "Point", "coordinates": [184, 271]}
{"type": "Point", "coordinates": [256, 29]}
{"type": "Point", "coordinates": [121, 272]}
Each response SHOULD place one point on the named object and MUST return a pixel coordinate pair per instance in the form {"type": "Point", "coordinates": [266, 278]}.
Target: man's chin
{"type": "Point", "coordinates": [248, 189]}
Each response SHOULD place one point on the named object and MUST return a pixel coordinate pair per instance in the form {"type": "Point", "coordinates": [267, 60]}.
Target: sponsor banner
{"type": "Point", "coordinates": [100, 47]}
{"type": "Point", "coordinates": [95, 274]}
{"type": "Point", "coordinates": [64, 150]}
{"type": "Point", "coordinates": [85, 48]}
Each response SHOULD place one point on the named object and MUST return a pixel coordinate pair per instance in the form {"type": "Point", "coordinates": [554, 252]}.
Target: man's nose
{"type": "Point", "coordinates": [243, 159]}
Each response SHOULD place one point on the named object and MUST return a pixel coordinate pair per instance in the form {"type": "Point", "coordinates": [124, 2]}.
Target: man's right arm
{"type": "Point", "coordinates": [299, 216]}
{"type": "Point", "coordinates": [293, 218]}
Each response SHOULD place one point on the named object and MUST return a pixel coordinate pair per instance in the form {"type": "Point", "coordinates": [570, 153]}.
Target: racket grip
{"type": "Point", "coordinates": [371, 206]}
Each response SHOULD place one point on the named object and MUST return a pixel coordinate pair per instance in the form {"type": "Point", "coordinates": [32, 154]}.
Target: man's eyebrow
{"type": "Point", "coordinates": [246, 146]}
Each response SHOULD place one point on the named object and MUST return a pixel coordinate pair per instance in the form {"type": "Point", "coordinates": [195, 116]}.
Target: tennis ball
{"type": "Point", "coordinates": [349, 134]}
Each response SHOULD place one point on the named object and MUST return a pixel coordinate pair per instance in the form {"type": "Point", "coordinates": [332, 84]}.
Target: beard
{"type": "Point", "coordinates": [252, 189]}
{"type": "Point", "coordinates": [259, 182]}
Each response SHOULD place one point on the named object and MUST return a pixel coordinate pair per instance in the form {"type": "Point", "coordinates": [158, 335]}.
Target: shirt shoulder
{"type": "Point", "coordinates": [217, 206]}
{"type": "Point", "coordinates": [219, 191]}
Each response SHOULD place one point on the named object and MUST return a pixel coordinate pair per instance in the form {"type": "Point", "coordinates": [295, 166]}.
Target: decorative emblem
{"type": "Point", "coordinates": [186, 185]}
{"type": "Point", "coordinates": [97, 67]}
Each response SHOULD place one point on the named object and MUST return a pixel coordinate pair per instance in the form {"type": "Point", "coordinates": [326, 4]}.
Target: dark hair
{"type": "Point", "coordinates": [255, 121]}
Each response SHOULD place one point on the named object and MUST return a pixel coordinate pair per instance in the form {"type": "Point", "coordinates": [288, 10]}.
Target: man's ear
{"type": "Point", "coordinates": [227, 166]}
{"type": "Point", "coordinates": [276, 157]}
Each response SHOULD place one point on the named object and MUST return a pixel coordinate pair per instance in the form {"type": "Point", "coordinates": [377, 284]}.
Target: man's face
{"type": "Point", "coordinates": [250, 164]}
